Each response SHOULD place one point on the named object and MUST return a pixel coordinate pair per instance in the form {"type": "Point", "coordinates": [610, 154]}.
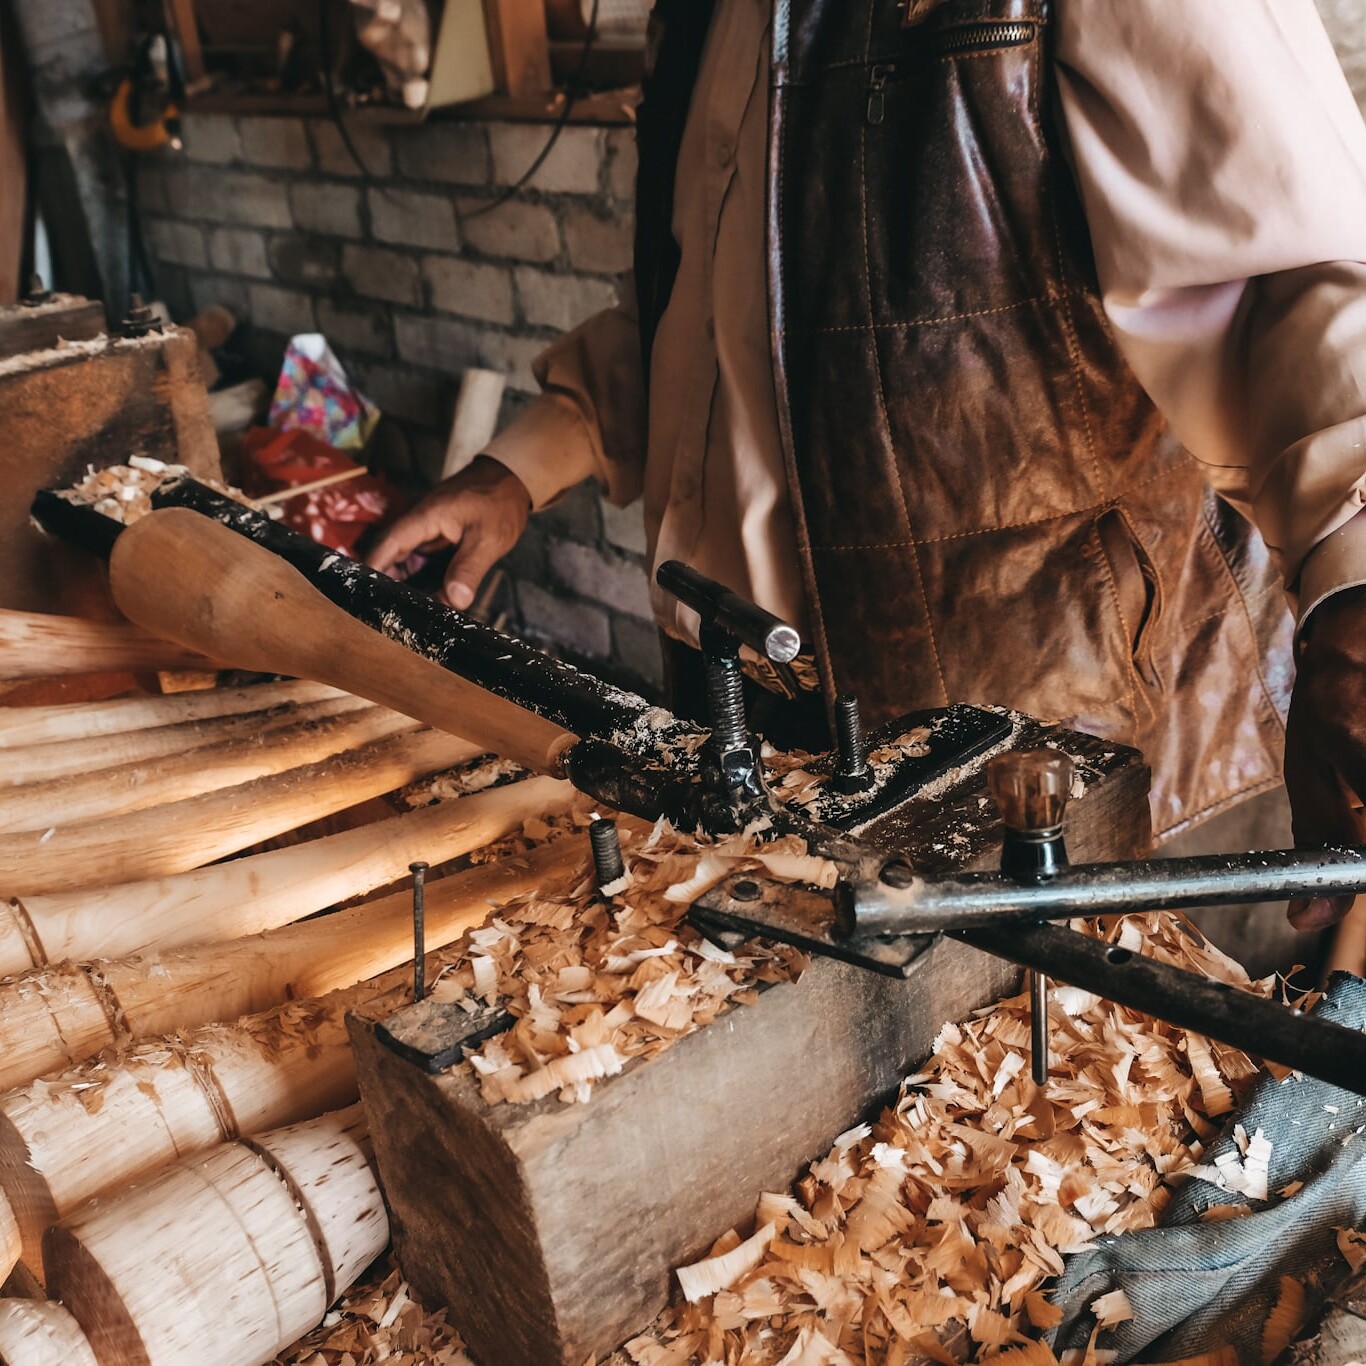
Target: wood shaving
{"type": "Point", "coordinates": [593, 982]}
{"type": "Point", "coordinates": [1285, 1321]}
{"type": "Point", "coordinates": [124, 492]}
{"type": "Point", "coordinates": [933, 1232]}
{"type": "Point", "coordinates": [379, 1320]}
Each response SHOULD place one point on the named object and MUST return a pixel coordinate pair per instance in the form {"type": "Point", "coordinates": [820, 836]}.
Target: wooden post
{"type": "Point", "coordinates": [23, 726]}
{"type": "Point", "coordinates": [35, 645]}
{"type": "Point", "coordinates": [475, 419]}
{"type": "Point", "coordinates": [519, 46]}
{"type": "Point", "coordinates": [135, 787]}
{"type": "Point", "coordinates": [199, 830]}
{"type": "Point", "coordinates": [227, 1258]}
{"type": "Point", "coordinates": [581, 1212]}
{"type": "Point", "coordinates": [249, 895]}
{"type": "Point", "coordinates": [56, 1016]}
{"type": "Point", "coordinates": [41, 1333]}
{"type": "Point", "coordinates": [28, 764]}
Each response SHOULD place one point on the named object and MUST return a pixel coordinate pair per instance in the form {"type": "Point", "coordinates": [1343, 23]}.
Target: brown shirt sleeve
{"type": "Point", "coordinates": [589, 419]}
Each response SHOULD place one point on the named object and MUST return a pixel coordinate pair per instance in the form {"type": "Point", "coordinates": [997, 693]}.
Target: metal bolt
{"type": "Point", "coordinates": [726, 702]}
{"type": "Point", "coordinates": [744, 890]}
{"type": "Point", "coordinates": [1038, 1027]}
{"type": "Point", "coordinates": [419, 872]}
{"type": "Point", "coordinates": [851, 767]}
{"type": "Point", "coordinates": [898, 873]}
{"type": "Point", "coordinates": [607, 859]}
{"type": "Point", "coordinates": [140, 319]}
{"type": "Point", "coordinates": [36, 292]}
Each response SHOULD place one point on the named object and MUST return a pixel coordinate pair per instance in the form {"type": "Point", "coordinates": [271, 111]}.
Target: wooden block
{"type": "Point", "coordinates": [518, 46]}
{"type": "Point", "coordinates": [94, 403]}
{"type": "Point", "coordinates": [552, 1230]}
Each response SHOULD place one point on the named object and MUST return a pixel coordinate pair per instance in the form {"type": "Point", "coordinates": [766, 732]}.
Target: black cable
{"type": "Point", "coordinates": [573, 90]}
{"type": "Point", "coordinates": [571, 94]}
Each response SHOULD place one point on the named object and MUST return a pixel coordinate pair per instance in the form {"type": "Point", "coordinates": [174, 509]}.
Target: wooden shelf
{"type": "Point", "coordinates": [610, 107]}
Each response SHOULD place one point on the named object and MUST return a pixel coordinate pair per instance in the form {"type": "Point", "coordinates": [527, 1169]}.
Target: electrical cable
{"type": "Point", "coordinates": [573, 90]}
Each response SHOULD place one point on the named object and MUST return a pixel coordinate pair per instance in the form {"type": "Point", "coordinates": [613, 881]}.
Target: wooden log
{"type": "Point", "coordinates": [10, 1242]}
{"type": "Point", "coordinates": [247, 895]}
{"type": "Point", "coordinates": [227, 1258]}
{"type": "Point", "coordinates": [136, 787]}
{"type": "Point", "coordinates": [55, 1016]}
{"type": "Point", "coordinates": [28, 764]}
{"type": "Point", "coordinates": [42, 1333]}
{"type": "Point", "coordinates": [36, 645]}
{"type": "Point", "coordinates": [581, 1212]}
{"type": "Point", "coordinates": [94, 1127]}
{"type": "Point", "coordinates": [199, 830]}
{"type": "Point", "coordinates": [43, 725]}
{"type": "Point", "coordinates": [188, 577]}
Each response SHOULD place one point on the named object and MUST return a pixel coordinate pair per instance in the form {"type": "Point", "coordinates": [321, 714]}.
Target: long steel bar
{"type": "Point", "coordinates": [875, 905]}
{"type": "Point", "coordinates": [1266, 1029]}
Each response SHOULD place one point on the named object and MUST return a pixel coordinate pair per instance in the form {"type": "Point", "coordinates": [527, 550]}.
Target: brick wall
{"type": "Point", "coordinates": [271, 217]}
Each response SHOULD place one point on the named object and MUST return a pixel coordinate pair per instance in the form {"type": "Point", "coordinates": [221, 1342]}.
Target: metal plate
{"type": "Point", "coordinates": [435, 1034]}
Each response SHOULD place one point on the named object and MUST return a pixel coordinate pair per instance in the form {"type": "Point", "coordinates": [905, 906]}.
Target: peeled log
{"type": "Point", "coordinates": [80, 720]}
{"type": "Point", "coordinates": [227, 1258]}
{"type": "Point", "coordinates": [88, 755]}
{"type": "Point", "coordinates": [36, 645]}
{"type": "Point", "coordinates": [247, 895]}
{"type": "Point", "coordinates": [10, 1243]}
{"type": "Point", "coordinates": [56, 1016]}
{"type": "Point", "coordinates": [135, 787]}
{"type": "Point", "coordinates": [189, 834]}
{"type": "Point", "coordinates": [41, 1333]}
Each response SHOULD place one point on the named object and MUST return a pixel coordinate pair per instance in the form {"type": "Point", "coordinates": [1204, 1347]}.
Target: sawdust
{"type": "Point", "coordinates": [124, 492]}
{"type": "Point", "coordinates": [934, 1231]}
{"type": "Point", "coordinates": [593, 982]}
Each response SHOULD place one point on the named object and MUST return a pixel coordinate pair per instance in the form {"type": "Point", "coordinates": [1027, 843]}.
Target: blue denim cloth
{"type": "Point", "coordinates": [1194, 1286]}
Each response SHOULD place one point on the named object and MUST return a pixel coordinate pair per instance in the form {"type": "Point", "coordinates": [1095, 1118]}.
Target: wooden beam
{"type": "Point", "coordinates": [519, 46]}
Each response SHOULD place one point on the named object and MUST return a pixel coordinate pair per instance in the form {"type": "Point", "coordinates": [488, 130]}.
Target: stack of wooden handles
{"type": "Point", "coordinates": [177, 1164]}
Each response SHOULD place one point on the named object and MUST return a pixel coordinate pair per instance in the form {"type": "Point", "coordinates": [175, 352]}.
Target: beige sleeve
{"type": "Point", "coordinates": [1221, 159]}
{"type": "Point", "coordinates": [589, 419]}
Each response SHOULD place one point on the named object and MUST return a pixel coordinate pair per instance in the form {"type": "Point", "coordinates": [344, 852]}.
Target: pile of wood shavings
{"type": "Point", "coordinates": [379, 1320]}
{"type": "Point", "coordinates": [124, 492]}
{"type": "Point", "coordinates": [594, 982]}
{"type": "Point", "coordinates": [931, 1233]}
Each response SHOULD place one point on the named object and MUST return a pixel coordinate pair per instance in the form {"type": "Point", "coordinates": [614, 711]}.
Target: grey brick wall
{"type": "Point", "coordinates": [272, 217]}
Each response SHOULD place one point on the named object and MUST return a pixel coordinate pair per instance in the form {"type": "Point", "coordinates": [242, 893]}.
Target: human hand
{"type": "Point", "coordinates": [1325, 741]}
{"type": "Point", "coordinates": [481, 511]}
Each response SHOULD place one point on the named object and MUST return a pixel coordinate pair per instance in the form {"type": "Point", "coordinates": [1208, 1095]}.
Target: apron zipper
{"type": "Point", "coordinates": [877, 99]}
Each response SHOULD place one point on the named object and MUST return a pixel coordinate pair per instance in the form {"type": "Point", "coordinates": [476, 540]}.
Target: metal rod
{"type": "Point", "coordinates": [1038, 1027]}
{"type": "Point", "coordinates": [875, 906]}
{"type": "Point", "coordinates": [608, 863]}
{"type": "Point", "coordinates": [1264, 1028]}
{"type": "Point", "coordinates": [419, 872]}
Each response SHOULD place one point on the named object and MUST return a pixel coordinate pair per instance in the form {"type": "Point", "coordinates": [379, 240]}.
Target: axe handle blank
{"type": "Point", "coordinates": [193, 581]}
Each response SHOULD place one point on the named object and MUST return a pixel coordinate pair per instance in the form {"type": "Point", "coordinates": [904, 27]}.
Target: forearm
{"type": "Point", "coordinates": [589, 420]}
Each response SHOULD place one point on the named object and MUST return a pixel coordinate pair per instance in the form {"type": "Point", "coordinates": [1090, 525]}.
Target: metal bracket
{"type": "Point", "coordinates": [435, 1034]}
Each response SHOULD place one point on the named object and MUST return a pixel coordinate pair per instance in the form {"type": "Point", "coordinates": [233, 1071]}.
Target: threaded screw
{"type": "Point", "coordinates": [607, 860]}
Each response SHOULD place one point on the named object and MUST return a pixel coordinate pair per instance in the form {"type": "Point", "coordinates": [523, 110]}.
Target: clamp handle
{"type": "Point", "coordinates": [727, 612]}
{"type": "Point", "coordinates": [1031, 787]}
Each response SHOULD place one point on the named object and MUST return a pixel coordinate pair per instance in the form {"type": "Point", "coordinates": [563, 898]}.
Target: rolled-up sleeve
{"type": "Point", "coordinates": [589, 419]}
{"type": "Point", "coordinates": [1221, 160]}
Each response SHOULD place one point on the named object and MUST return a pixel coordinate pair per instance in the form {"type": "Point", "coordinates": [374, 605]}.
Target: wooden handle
{"type": "Point", "coordinates": [34, 645]}
{"type": "Point", "coordinates": [192, 580]}
{"type": "Point", "coordinates": [248, 895]}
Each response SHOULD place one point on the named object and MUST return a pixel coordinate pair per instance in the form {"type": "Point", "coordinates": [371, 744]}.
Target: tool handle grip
{"type": "Point", "coordinates": [193, 581]}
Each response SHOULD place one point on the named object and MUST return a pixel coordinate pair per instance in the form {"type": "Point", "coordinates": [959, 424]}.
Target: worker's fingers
{"type": "Point", "coordinates": [426, 526]}
{"type": "Point", "coordinates": [474, 557]}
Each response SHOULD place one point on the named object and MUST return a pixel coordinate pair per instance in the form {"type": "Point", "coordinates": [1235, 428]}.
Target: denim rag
{"type": "Point", "coordinates": [1197, 1286]}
